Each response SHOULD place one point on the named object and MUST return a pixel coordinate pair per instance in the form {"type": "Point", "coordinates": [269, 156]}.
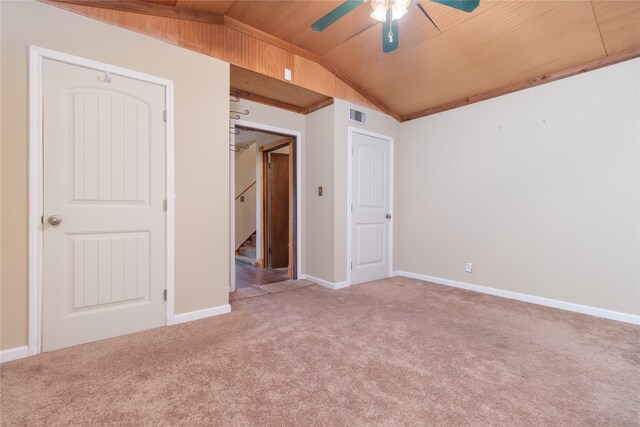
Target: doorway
{"type": "Point", "coordinates": [266, 206]}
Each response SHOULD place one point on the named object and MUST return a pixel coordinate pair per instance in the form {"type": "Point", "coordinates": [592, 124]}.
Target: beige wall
{"type": "Point", "coordinates": [245, 171]}
{"type": "Point", "coordinates": [540, 189]}
{"type": "Point", "coordinates": [319, 218]}
{"type": "Point", "coordinates": [245, 178]}
{"type": "Point", "coordinates": [201, 152]}
{"type": "Point", "coordinates": [327, 166]}
{"type": "Point", "coordinates": [377, 122]}
{"type": "Point", "coordinates": [245, 214]}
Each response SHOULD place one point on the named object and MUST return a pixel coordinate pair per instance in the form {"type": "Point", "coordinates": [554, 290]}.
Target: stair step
{"type": "Point", "coordinates": [248, 251]}
{"type": "Point", "coordinates": [246, 260]}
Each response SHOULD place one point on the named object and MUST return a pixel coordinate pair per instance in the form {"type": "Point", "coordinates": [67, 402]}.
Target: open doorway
{"type": "Point", "coordinates": [265, 207]}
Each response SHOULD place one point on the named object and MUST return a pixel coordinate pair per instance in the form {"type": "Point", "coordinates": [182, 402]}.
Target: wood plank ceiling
{"type": "Point", "coordinates": [500, 47]}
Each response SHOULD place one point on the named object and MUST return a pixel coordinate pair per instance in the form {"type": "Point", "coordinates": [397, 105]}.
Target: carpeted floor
{"type": "Point", "coordinates": [391, 352]}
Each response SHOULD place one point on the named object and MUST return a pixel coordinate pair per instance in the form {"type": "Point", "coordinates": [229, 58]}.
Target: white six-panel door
{"type": "Point", "coordinates": [371, 213]}
{"type": "Point", "coordinates": [104, 181]}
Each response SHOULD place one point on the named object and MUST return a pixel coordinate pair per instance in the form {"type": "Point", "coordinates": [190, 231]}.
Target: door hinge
{"type": "Point", "coordinates": [353, 150]}
{"type": "Point", "coordinates": [164, 295]}
{"type": "Point", "coordinates": [269, 251]}
{"type": "Point", "coordinates": [42, 220]}
{"type": "Point", "coordinates": [352, 265]}
{"type": "Point", "coordinates": [164, 205]}
{"type": "Point", "coordinates": [352, 207]}
{"type": "Point", "coordinates": [164, 115]}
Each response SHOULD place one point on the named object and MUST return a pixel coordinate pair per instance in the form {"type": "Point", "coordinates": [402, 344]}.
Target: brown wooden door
{"type": "Point", "coordinates": [278, 210]}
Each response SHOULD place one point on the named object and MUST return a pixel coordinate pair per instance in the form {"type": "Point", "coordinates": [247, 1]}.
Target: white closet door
{"type": "Point", "coordinates": [104, 180]}
{"type": "Point", "coordinates": [370, 217]}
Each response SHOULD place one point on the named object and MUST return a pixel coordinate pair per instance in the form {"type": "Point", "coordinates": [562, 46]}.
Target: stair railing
{"type": "Point", "coordinates": [246, 189]}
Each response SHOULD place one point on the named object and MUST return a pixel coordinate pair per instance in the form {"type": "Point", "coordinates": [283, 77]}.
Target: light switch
{"type": "Point", "coordinates": [287, 74]}
{"type": "Point", "coordinates": [320, 191]}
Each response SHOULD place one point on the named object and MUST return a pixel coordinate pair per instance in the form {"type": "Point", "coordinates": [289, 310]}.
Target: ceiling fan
{"type": "Point", "coordinates": [388, 12]}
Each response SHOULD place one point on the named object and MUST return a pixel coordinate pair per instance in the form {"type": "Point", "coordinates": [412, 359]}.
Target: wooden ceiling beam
{"type": "Point", "coordinates": [243, 94]}
{"type": "Point", "coordinates": [320, 105]}
{"type": "Point", "coordinates": [381, 106]}
{"type": "Point", "coordinates": [545, 78]}
{"type": "Point", "coordinates": [146, 8]}
{"type": "Point", "coordinates": [267, 101]}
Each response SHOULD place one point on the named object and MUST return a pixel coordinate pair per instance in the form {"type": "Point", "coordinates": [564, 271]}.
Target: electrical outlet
{"type": "Point", "coordinates": [320, 191]}
{"type": "Point", "coordinates": [287, 74]}
{"type": "Point", "coordinates": [468, 266]}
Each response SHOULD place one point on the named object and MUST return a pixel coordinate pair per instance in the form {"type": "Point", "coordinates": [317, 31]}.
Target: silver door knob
{"type": "Point", "coordinates": [54, 220]}
{"type": "Point", "coordinates": [388, 216]}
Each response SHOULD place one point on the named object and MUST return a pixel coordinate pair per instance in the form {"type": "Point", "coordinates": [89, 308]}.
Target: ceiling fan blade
{"type": "Point", "coordinates": [337, 13]}
{"type": "Point", "coordinates": [389, 34]}
{"type": "Point", "coordinates": [427, 15]}
{"type": "Point", "coordinates": [463, 5]}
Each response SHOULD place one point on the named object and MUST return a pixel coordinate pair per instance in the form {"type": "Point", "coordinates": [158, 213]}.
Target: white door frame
{"type": "Point", "coordinates": [351, 130]}
{"type": "Point", "coordinates": [36, 184]}
{"type": "Point", "coordinates": [232, 192]}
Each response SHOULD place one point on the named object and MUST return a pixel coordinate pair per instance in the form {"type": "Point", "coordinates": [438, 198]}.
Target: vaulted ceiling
{"type": "Point", "coordinates": [500, 47]}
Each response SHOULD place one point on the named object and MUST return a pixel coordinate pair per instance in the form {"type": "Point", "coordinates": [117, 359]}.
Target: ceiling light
{"type": "Point", "coordinates": [380, 8]}
{"type": "Point", "coordinates": [399, 8]}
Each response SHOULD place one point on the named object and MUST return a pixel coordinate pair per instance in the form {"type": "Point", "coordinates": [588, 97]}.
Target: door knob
{"type": "Point", "coordinates": [54, 220]}
{"type": "Point", "coordinates": [388, 216]}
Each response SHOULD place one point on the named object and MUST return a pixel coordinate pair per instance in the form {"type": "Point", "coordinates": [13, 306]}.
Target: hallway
{"type": "Point", "coordinates": [248, 275]}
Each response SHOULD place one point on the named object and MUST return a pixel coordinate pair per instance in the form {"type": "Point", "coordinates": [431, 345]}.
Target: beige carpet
{"type": "Point", "coordinates": [392, 352]}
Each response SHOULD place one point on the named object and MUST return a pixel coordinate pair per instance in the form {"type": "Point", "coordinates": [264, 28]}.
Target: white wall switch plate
{"type": "Point", "coordinates": [468, 267]}
{"type": "Point", "coordinates": [287, 74]}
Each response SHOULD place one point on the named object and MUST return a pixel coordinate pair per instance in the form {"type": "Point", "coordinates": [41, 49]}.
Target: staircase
{"type": "Point", "coordinates": [246, 253]}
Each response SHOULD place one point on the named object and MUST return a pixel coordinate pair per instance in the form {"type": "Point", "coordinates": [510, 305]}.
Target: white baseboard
{"type": "Point", "coordinates": [563, 305]}
{"type": "Point", "coordinates": [324, 283]}
{"type": "Point", "coordinates": [14, 353]}
{"type": "Point", "coordinates": [201, 314]}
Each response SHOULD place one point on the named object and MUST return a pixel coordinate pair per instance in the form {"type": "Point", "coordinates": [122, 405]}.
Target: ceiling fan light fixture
{"type": "Point", "coordinates": [399, 8]}
{"type": "Point", "coordinates": [379, 15]}
{"type": "Point", "coordinates": [380, 8]}
{"type": "Point", "coordinates": [388, 12]}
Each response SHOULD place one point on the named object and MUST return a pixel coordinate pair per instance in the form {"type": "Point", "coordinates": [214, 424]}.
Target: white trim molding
{"type": "Point", "coordinates": [14, 353]}
{"type": "Point", "coordinates": [36, 188]}
{"type": "Point", "coordinates": [326, 283]}
{"type": "Point", "coordinates": [548, 302]}
{"type": "Point", "coordinates": [201, 314]}
{"type": "Point", "coordinates": [170, 197]}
